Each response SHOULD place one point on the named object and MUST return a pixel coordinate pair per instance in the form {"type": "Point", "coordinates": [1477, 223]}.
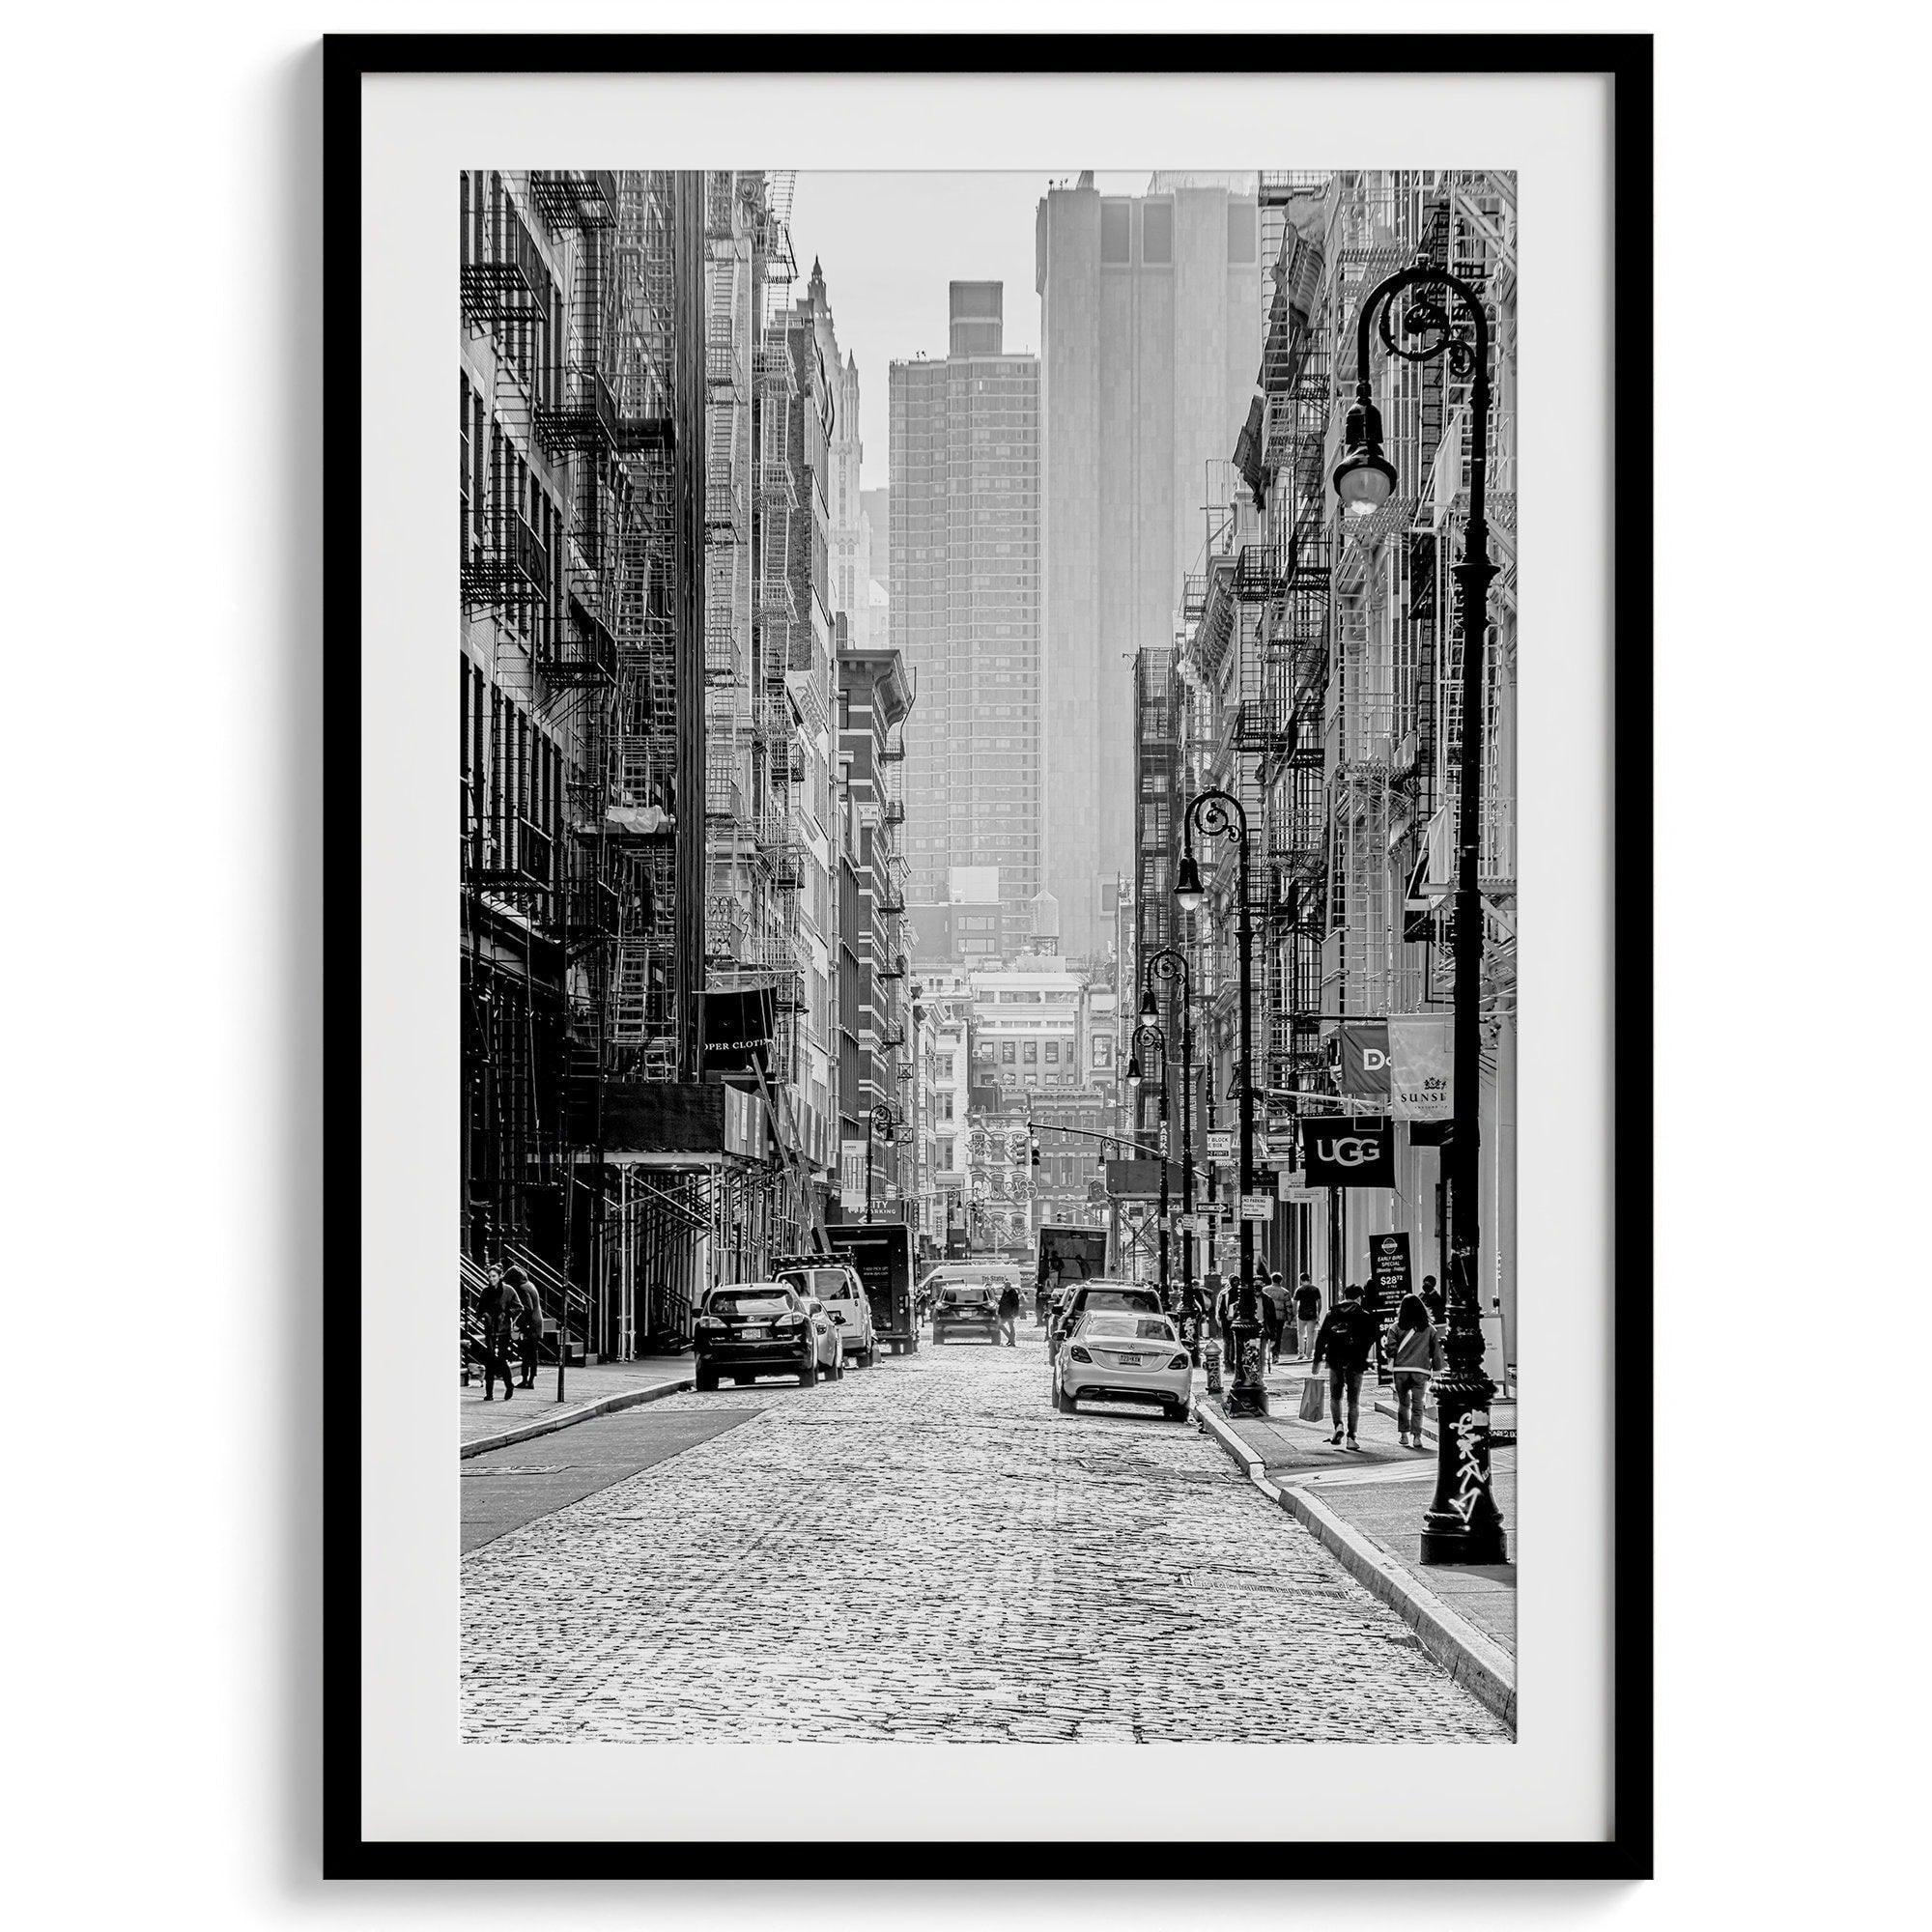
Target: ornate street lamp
{"type": "Point", "coordinates": [1170, 965]}
{"type": "Point", "coordinates": [1157, 1042]}
{"type": "Point", "coordinates": [1219, 815]}
{"type": "Point", "coordinates": [881, 1121]}
{"type": "Point", "coordinates": [1463, 1523]}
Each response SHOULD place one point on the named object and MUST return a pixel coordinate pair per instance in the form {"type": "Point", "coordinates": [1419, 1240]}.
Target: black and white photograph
{"type": "Point", "coordinates": [1078, 1178]}
{"type": "Point", "coordinates": [989, 921]}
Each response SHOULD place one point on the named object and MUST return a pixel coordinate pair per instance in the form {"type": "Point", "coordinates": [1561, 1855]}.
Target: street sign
{"type": "Point", "coordinates": [1256, 1207]}
{"type": "Point", "coordinates": [1220, 1144]}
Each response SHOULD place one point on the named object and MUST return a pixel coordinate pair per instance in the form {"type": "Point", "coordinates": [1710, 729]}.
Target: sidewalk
{"type": "Point", "coordinates": [1367, 1504]}
{"type": "Point", "coordinates": [594, 1389]}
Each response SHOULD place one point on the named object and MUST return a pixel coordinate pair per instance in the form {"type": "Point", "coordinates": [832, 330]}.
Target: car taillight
{"type": "Point", "coordinates": [791, 1321]}
{"type": "Point", "coordinates": [1178, 1362]}
{"type": "Point", "coordinates": [709, 1321]}
{"type": "Point", "coordinates": [1078, 1354]}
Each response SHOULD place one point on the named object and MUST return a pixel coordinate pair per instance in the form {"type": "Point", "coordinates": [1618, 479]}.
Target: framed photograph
{"type": "Point", "coordinates": [1026, 1059]}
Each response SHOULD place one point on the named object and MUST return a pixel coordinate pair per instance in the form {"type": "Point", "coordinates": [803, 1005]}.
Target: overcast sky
{"type": "Point", "coordinates": [890, 244]}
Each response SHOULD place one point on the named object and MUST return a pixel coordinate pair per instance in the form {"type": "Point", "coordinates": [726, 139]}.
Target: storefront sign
{"type": "Point", "coordinates": [1354, 1152]}
{"type": "Point", "coordinates": [1388, 1257]}
{"type": "Point", "coordinates": [736, 1031]}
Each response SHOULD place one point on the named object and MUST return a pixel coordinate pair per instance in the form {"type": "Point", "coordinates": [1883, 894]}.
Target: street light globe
{"type": "Point", "coordinates": [1150, 1009]}
{"type": "Point", "coordinates": [1364, 483]}
{"type": "Point", "coordinates": [1133, 1069]}
{"type": "Point", "coordinates": [1188, 893]}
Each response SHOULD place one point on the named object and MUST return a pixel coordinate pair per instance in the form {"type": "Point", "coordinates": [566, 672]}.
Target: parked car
{"type": "Point", "coordinates": [752, 1328]}
{"type": "Point", "coordinates": [837, 1284]}
{"type": "Point", "coordinates": [1084, 1298]}
{"type": "Point", "coordinates": [966, 1309]}
{"type": "Point", "coordinates": [1123, 1355]}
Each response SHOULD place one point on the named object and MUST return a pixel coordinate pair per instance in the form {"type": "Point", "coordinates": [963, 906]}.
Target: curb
{"type": "Point", "coordinates": [1500, 1438]}
{"type": "Point", "coordinates": [1477, 1663]}
{"type": "Point", "coordinates": [548, 1425]}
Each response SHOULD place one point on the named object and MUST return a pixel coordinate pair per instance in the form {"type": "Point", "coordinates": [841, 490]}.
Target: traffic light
{"type": "Point", "coordinates": [1036, 1153]}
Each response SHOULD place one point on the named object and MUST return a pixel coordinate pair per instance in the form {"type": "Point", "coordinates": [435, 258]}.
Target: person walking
{"type": "Point", "coordinates": [1432, 1298]}
{"type": "Point", "coordinates": [1307, 1315]}
{"type": "Point", "coordinates": [1416, 1357]}
{"type": "Point", "coordinates": [1348, 1338]}
{"type": "Point", "coordinates": [1226, 1307]}
{"type": "Point", "coordinates": [1010, 1312]}
{"type": "Point", "coordinates": [499, 1308]}
{"type": "Point", "coordinates": [1276, 1313]}
{"type": "Point", "coordinates": [528, 1316]}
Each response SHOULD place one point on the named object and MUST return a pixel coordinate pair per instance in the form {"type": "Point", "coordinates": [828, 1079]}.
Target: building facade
{"type": "Point", "coordinates": [1318, 676]}
{"type": "Point", "coordinates": [965, 606]}
{"type": "Point", "coordinates": [1151, 329]}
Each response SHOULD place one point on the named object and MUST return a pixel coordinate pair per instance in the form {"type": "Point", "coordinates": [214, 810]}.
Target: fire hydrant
{"type": "Point", "coordinates": [1211, 1354]}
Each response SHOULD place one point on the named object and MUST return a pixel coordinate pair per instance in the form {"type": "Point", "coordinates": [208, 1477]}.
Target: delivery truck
{"type": "Point", "coordinates": [1065, 1255]}
{"type": "Point", "coordinates": [882, 1253]}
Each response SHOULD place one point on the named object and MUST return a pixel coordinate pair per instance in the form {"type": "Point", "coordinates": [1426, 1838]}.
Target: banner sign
{"type": "Point", "coordinates": [1354, 1152]}
{"type": "Point", "coordinates": [1388, 1257]}
{"type": "Point", "coordinates": [1365, 1060]}
{"type": "Point", "coordinates": [1421, 1063]}
{"type": "Point", "coordinates": [735, 1035]}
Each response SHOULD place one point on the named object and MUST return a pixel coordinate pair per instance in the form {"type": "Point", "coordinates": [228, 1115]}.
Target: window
{"type": "Point", "coordinates": [1157, 234]}
{"type": "Point", "coordinates": [1007, 1053]}
{"type": "Point", "coordinates": [1052, 1053]}
{"type": "Point", "coordinates": [1033, 1053]}
{"type": "Point", "coordinates": [1116, 231]}
{"type": "Point", "coordinates": [1241, 231]}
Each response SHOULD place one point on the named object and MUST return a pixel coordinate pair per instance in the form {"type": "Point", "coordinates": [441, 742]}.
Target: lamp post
{"type": "Point", "coordinates": [1157, 1042]}
{"type": "Point", "coordinates": [1170, 964]}
{"type": "Point", "coordinates": [1463, 1523]}
{"type": "Point", "coordinates": [1220, 814]}
{"type": "Point", "coordinates": [881, 1121]}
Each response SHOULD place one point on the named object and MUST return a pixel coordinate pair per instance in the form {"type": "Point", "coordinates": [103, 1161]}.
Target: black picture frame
{"type": "Point", "coordinates": [1627, 61]}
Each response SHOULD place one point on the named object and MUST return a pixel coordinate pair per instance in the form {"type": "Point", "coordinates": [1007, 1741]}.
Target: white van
{"type": "Point", "coordinates": [838, 1285]}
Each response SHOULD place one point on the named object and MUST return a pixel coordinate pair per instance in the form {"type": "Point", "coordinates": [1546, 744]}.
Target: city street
{"type": "Point", "coordinates": [923, 1550]}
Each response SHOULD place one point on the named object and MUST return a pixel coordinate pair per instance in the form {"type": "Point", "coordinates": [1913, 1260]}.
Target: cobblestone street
{"type": "Point", "coordinates": [928, 1550]}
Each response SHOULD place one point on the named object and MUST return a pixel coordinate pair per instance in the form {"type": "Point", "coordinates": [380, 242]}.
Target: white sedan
{"type": "Point", "coordinates": [1123, 1355]}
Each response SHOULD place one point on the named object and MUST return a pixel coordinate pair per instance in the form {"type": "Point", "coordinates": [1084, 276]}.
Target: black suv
{"type": "Point", "coordinates": [965, 1308]}
{"type": "Point", "coordinates": [763, 1328]}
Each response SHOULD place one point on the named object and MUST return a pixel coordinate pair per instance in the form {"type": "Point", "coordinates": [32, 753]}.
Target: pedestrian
{"type": "Point", "coordinates": [528, 1316]}
{"type": "Point", "coordinates": [499, 1308]}
{"type": "Point", "coordinates": [1432, 1298]}
{"type": "Point", "coordinates": [1226, 1307]}
{"type": "Point", "coordinates": [1348, 1337]}
{"type": "Point", "coordinates": [1307, 1315]}
{"type": "Point", "coordinates": [1010, 1312]}
{"type": "Point", "coordinates": [1416, 1355]}
{"type": "Point", "coordinates": [1274, 1311]}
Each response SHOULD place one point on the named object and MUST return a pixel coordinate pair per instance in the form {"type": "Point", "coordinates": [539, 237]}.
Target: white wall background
{"type": "Point", "coordinates": [163, 1393]}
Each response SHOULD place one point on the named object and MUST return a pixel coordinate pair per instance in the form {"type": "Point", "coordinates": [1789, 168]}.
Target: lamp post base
{"type": "Point", "coordinates": [1247, 1395]}
{"type": "Point", "coordinates": [1463, 1525]}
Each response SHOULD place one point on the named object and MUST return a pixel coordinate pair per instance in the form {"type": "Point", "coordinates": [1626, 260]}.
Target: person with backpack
{"type": "Point", "coordinates": [1307, 1315]}
{"type": "Point", "coordinates": [1416, 1357]}
{"type": "Point", "coordinates": [1010, 1312]}
{"type": "Point", "coordinates": [1348, 1338]}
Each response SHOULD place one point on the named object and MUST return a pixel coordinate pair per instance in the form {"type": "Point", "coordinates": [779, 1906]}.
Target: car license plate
{"type": "Point", "coordinates": [754, 1334]}
{"type": "Point", "coordinates": [1132, 1361]}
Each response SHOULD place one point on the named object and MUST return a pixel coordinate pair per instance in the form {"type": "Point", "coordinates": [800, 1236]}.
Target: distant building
{"type": "Point", "coordinates": [1150, 336]}
{"type": "Point", "coordinates": [965, 607]}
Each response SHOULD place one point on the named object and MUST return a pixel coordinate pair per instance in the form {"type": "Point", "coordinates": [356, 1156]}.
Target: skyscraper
{"type": "Point", "coordinates": [965, 596]}
{"type": "Point", "coordinates": [1150, 341]}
